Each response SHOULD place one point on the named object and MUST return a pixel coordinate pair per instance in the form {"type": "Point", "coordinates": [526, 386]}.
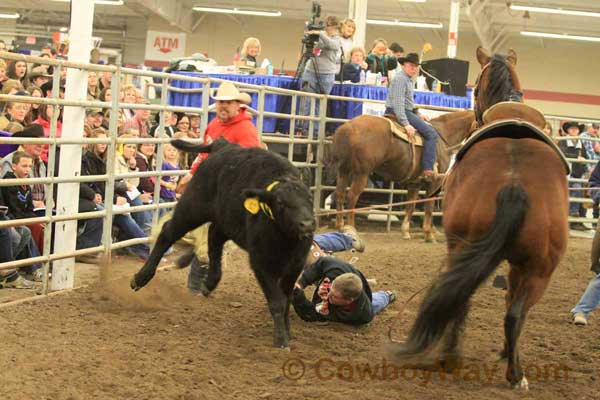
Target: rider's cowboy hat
{"type": "Point", "coordinates": [411, 58]}
{"type": "Point", "coordinates": [227, 92]}
{"type": "Point", "coordinates": [570, 124]}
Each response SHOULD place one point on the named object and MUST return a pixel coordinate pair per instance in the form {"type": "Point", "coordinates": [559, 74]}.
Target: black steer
{"type": "Point", "coordinates": [256, 199]}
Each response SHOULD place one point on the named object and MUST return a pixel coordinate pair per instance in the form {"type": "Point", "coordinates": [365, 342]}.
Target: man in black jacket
{"type": "Point", "coordinates": [342, 295]}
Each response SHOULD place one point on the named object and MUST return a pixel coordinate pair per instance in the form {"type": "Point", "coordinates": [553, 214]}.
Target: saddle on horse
{"type": "Point", "coordinates": [399, 131]}
{"type": "Point", "coordinates": [515, 121]}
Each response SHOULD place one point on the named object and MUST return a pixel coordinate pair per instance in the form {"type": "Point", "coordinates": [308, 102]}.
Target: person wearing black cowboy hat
{"type": "Point", "coordinates": [573, 148]}
{"type": "Point", "coordinates": [48, 86]}
{"type": "Point", "coordinates": [400, 103]}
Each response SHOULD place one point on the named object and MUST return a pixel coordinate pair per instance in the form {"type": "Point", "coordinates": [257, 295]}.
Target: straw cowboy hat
{"type": "Point", "coordinates": [228, 91]}
{"type": "Point", "coordinates": [39, 71]}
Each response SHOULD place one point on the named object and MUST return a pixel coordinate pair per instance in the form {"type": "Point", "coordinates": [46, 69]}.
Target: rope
{"type": "Point", "coordinates": [400, 203]}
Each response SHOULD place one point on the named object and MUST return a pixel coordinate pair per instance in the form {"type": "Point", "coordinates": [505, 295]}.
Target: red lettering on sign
{"type": "Point", "coordinates": [165, 44]}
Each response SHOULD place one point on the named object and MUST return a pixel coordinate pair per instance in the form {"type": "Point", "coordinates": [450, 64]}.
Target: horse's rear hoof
{"type": "Point", "coordinates": [521, 385]}
{"type": "Point", "coordinates": [430, 239]}
{"type": "Point", "coordinates": [406, 236]}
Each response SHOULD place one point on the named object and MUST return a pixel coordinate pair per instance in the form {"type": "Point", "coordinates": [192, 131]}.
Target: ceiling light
{"type": "Point", "coordinates": [412, 1]}
{"type": "Point", "coordinates": [238, 11]}
{"type": "Point", "coordinates": [405, 23]}
{"type": "Point", "coordinates": [561, 36]}
{"type": "Point", "coordinates": [103, 2]}
{"type": "Point", "coordinates": [63, 29]}
{"type": "Point", "coordinates": [9, 16]}
{"type": "Point", "coordinates": [562, 11]}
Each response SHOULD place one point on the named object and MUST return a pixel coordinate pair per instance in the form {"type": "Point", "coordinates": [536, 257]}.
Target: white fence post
{"type": "Point", "coordinates": [80, 34]}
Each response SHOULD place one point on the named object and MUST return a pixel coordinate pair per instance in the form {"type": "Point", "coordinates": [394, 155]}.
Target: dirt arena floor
{"type": "Point", "coordinates": [105, 342]}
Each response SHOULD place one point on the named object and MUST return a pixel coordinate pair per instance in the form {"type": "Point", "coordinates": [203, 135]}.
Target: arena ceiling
{"type": "Point", "coordinates": [491, 20]}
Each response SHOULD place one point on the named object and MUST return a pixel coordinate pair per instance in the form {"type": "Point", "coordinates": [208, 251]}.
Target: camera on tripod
{"type": "Point", "coordinates": [310, 39]}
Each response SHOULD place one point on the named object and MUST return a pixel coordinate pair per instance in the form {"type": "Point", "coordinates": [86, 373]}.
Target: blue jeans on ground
{"type": "Point", "coordinates": [590, 298]}
{"type": "Point", "coordinates": [91, 233]}
{"type": "Point", "coordinates": [311, 85]}
{"type": "Point", "coordinates": [430, 138]}
{"type": "Point", "coordinates": [332, 242]}
{"type": "Point", "coordinates": [380, 301]}
{"type": "Point", "coordinates": [574, 207]}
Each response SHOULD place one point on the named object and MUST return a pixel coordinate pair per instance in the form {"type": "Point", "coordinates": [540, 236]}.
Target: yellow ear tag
{"type": "Point", "coordinates": [251, 204]}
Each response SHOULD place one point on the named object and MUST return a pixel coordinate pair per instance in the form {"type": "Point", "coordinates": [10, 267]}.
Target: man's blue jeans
{"type": "Point", "coordinates": [129, 229]}
{"type": "Point", "coordinates": [590, 298]}
{"type": "Point", "coordinates": [430, 138]}
{"type": "Point", "coordinates": [91, 233]}
{"type": "Point", "coordinates": [573, 206]}
{"type": "Point", "coordinates": [332, 242]}
{"type": "Point", "coordinates": [312, 84]}
{"type": "Point", "coordinates": [142, 218]}
{"type": "Point", "coordinates": [380, 301]}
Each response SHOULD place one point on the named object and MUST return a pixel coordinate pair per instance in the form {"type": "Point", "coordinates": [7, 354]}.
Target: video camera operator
{"type": "Point", "coordinates": [319, 72]}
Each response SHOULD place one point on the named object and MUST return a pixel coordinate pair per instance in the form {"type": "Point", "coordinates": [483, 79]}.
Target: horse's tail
{"type": "Point", "coordinates": [447, 299]}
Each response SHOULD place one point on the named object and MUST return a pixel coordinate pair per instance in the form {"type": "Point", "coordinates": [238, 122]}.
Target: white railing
{"type": "Point", "coordinates": [313, 161]}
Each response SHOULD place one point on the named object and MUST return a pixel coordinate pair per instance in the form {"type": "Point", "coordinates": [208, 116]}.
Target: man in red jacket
{"type": "Point", "coordinates": [234, 123]}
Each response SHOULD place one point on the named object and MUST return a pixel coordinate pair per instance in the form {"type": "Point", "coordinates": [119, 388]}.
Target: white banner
{"type": "Point", "coordinates": [379, 109]}
{"type": "Point", "coordinates": [164, 46]}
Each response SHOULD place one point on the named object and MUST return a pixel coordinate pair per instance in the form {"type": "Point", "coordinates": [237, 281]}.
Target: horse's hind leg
{"type": "Point", "coordinates": [523, 292]}
{"type": "Point", "coordinates": [359, 183]}
{"type": "Point", "coordinates": [413, 192]}
{"type": "Point", "coordinates": [429, 236]}
{"type": "Point", "coordinates": [340, 198]}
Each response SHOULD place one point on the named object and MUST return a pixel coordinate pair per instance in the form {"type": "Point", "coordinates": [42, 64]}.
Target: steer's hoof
{"type": "Point", "coordinates": [134, 285]}
{"type": "Point", "coordinates": [521, 385]}
{"type": "Point", "coordinates": [204, 289]}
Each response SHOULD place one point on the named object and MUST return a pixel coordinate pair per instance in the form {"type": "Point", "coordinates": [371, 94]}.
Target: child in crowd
{"type": "Point", "coordinates": [169, 183]}
{"type": "Point", "coordinates": [19, 198]}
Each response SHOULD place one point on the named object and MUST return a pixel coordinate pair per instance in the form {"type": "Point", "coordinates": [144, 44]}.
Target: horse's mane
{"type": "Point", "coordinates": [499, 81]}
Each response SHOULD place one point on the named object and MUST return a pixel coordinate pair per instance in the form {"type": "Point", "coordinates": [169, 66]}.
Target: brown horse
{"type": "Point", "coordinates": [498, 205]}
{"type": "Point", "coordinates": [366, 144]}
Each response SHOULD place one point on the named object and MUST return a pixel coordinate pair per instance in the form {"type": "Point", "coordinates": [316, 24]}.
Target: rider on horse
{"type": "Point", "coordinates": [400, 102]}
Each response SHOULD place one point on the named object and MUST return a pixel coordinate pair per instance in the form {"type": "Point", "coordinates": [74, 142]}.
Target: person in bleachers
{"type": "Point", "coordinates": [397, 51]}
{"type": "Point", "coordinates": [381, 59]}
{"type": "Point", "coordinates": [356, 65]}
{"type": "Point", "coordinates": [93, 90]}
{"type": "Point", "coordinates": [105, 80]}
{"type": "Point", "coordinates": [130, 95]}
{"type": "Point", "coordinates": [16, 243]}
{"type": "Point", "coordinates": [19, 199]}
{"type": "Point", "coordinates": [140, 121]}
{"type": "Point", "coordinates": [34, 91]}
{"type": "Point", "coordinates": [94, 163]}
{"type": "Point", "coordinates": [14, 111]}
{"type": "Point", "coordinates": [169, 125]}
{"type": "Point", "coordinates": [573, 148]}
{"type": "Point", "coordinates": [17, 70]}
{"type": "Point", "coordinates": [44, 120]}
{"type": "Point", "coordinates": [94, 117]}
{"type": "Point", "coordinates": [592, 148]}
{"type": "Point", "coordinates": [37, 77]}
{"type": "Point", "coordinates": [3, 76]}
{"type": "Point", "coordinates": [183, 125]}
{"type": "Point", "coordinates": [194, 131]}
